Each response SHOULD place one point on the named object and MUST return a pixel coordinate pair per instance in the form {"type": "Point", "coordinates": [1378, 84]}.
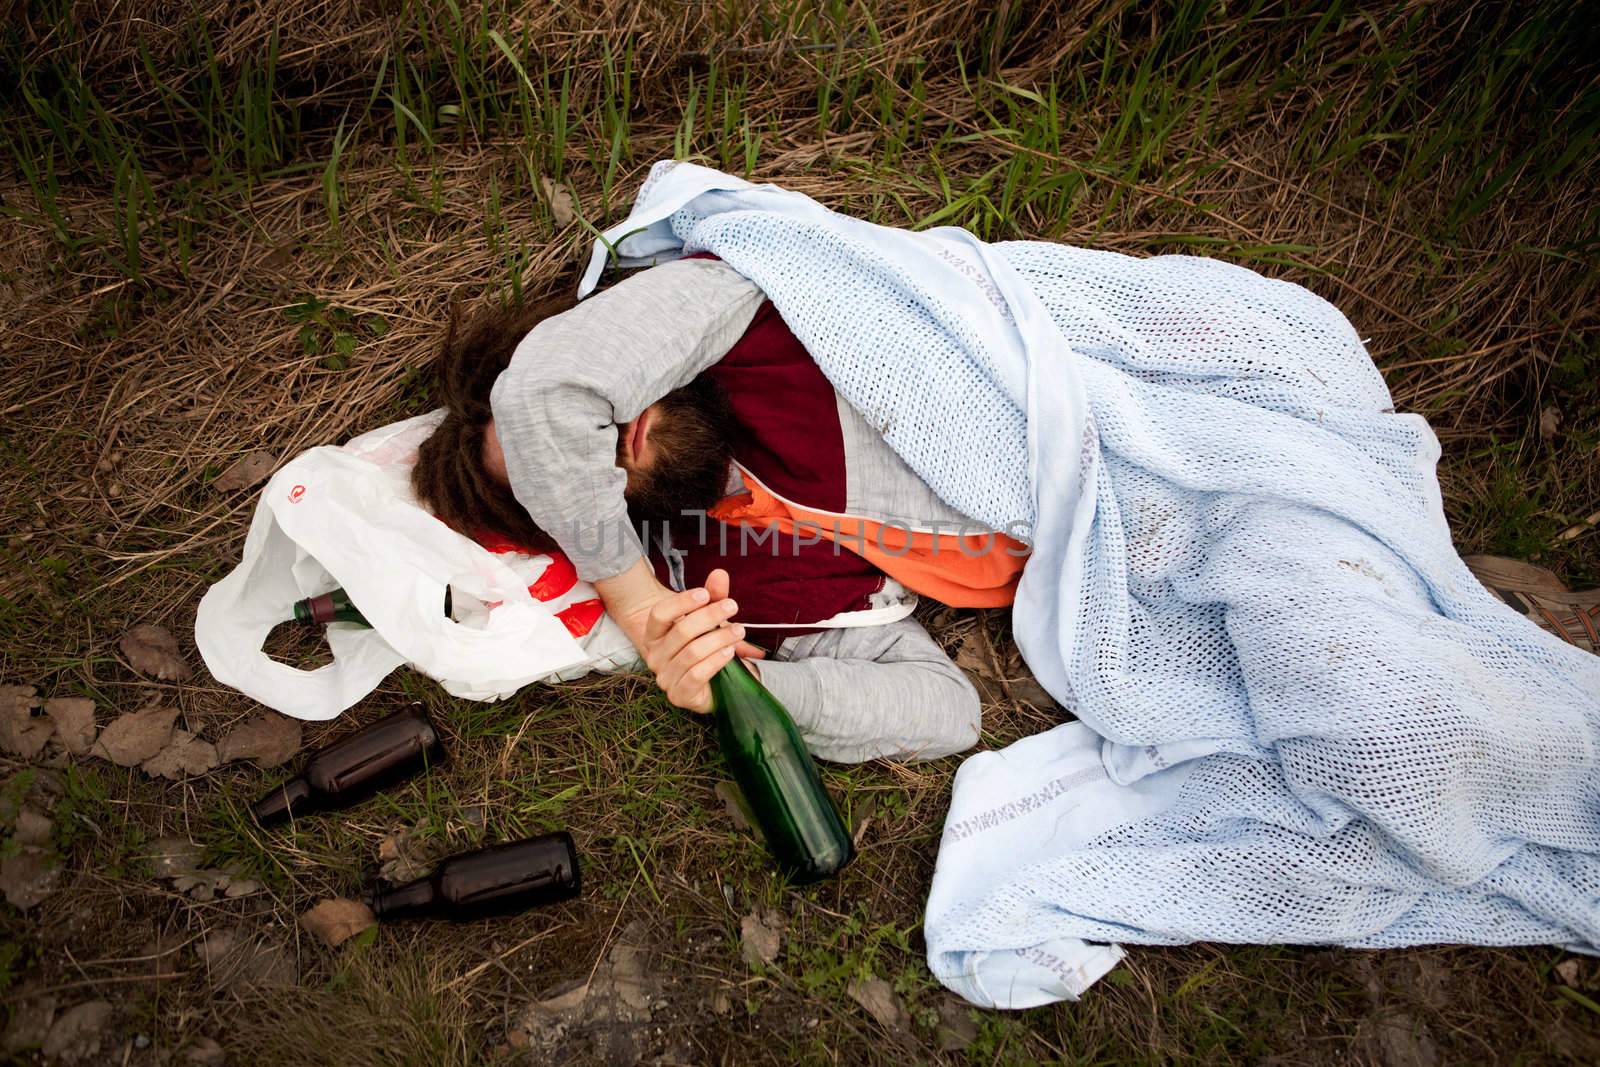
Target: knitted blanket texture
{"type": "Point", "coordinates": [1301, 718]}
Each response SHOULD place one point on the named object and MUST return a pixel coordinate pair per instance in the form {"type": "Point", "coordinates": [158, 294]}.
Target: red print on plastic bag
{"type": "Point", "coordinates": [580, 618]}
{"type": "Point", "coordinates": [555, 580]}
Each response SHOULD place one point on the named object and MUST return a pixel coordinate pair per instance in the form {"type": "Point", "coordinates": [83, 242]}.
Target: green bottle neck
{"type": "Point", "coordinates": [328, 607]}
{"type": "Point", "coordinates": [733, 681]}
{"type": "Point", "coordinates": [337, 607]}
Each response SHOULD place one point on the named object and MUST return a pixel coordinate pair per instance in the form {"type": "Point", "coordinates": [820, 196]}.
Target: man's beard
{"type": "Point", "coordinates": [690, 436]}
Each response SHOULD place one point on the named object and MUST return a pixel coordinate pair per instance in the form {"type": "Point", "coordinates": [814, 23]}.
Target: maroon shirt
{"type": "Point", "coordinates": [786, 432]}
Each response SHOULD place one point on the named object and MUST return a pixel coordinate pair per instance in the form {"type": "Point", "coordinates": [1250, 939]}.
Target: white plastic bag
{"type": "Point", "coordinates": [346, 516]}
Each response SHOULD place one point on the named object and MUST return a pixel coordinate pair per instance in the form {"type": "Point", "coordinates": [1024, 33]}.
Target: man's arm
{"type": "Point", "coordinates": [578, 374]}
{"type": "Point", "coordinates": [875, 692]}
{"type": "Point", "coordinates": [861, 693]}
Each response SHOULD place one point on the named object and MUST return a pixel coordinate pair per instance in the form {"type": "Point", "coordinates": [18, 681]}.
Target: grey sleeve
{"type": "Point", "coordinates": [577, 375]}
{"type": "Point", "coordinates": [874, 692]}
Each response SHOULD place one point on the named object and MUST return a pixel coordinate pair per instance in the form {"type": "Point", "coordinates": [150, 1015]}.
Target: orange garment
{"type": "Point", "coordinates": [961, 570]}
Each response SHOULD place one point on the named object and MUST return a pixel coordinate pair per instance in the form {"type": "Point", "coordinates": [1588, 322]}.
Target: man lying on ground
{"type": "Point", "coordinates": [679, 401]}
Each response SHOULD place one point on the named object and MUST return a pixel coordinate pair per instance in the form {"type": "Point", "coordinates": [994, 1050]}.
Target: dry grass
{"type": "Point", "coordinates": [1407, 162]}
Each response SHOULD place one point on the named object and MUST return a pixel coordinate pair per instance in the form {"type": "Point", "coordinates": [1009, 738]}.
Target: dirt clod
{"type": "Point", "coordinates": [32, 789]}
{"type": "Point", "coordinates": [608, 1012]}
{"type": "Point", "coordinates": [29, 1023]}
{"type": "Point", "coordinates": [32, 828]}
{"type": "Point", "coordinates": [760, 937]}
{"type": "Point", "coordinates": [955, 1030]}
{"type": "Point", "coordinates": [1396, 1037]}
{"type": "Point", "coordinates": [235, 959]}
{"type": "Point", "coordinates": [77, 1034]}
{"type": "Point", "coordinates": [163, 951]}
{"type": "Point", "coordinates": [29, 875]}
{"type": "Point", "coordinates": [205, 1052]}
{"type": "Point", "coordinates": [207, 883]}
{"type": "Point", "coordinates": [170, 857]}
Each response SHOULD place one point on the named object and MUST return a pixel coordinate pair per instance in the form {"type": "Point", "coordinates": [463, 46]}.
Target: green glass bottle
{"type": "Point", "coordinates": [329, 607]}
{"type": "Point", "coordinates": [778, 777]}
{"type": "Point", "coordinates": [336, 607]}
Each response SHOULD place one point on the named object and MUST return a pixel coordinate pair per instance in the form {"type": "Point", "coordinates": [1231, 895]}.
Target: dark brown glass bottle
{"type": "Point", "coordinates": [492, 881]}
{"type": "Point", "coordinates": [353, 768]}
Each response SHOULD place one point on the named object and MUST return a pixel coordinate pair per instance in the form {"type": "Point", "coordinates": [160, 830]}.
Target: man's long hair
{"type": "Point", "coordinates": [450, 477]}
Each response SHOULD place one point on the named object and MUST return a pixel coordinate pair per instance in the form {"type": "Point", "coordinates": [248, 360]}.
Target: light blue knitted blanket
{"type": "Point", "coordinates": [1310, 723]}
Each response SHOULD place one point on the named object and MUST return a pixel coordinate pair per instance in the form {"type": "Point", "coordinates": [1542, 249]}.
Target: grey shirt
{"type": "Point", "coordinates": [579, 374]}
{"type": "Point", "coordinates": [856, 693]}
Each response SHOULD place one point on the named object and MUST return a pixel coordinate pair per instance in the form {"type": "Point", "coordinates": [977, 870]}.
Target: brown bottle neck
{"type": "Point", "coordinates": [403, 901]}
{"type": "Point", "coordinates": [293, 798]}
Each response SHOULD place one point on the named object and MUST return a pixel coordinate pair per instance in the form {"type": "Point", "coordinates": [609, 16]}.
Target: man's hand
{"type": "Point", "coordinates": [637, 601]}
{"type": "Point", "coordinates": [628, 598]}
{"type": "Point", "coordinates": [689, 637]}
